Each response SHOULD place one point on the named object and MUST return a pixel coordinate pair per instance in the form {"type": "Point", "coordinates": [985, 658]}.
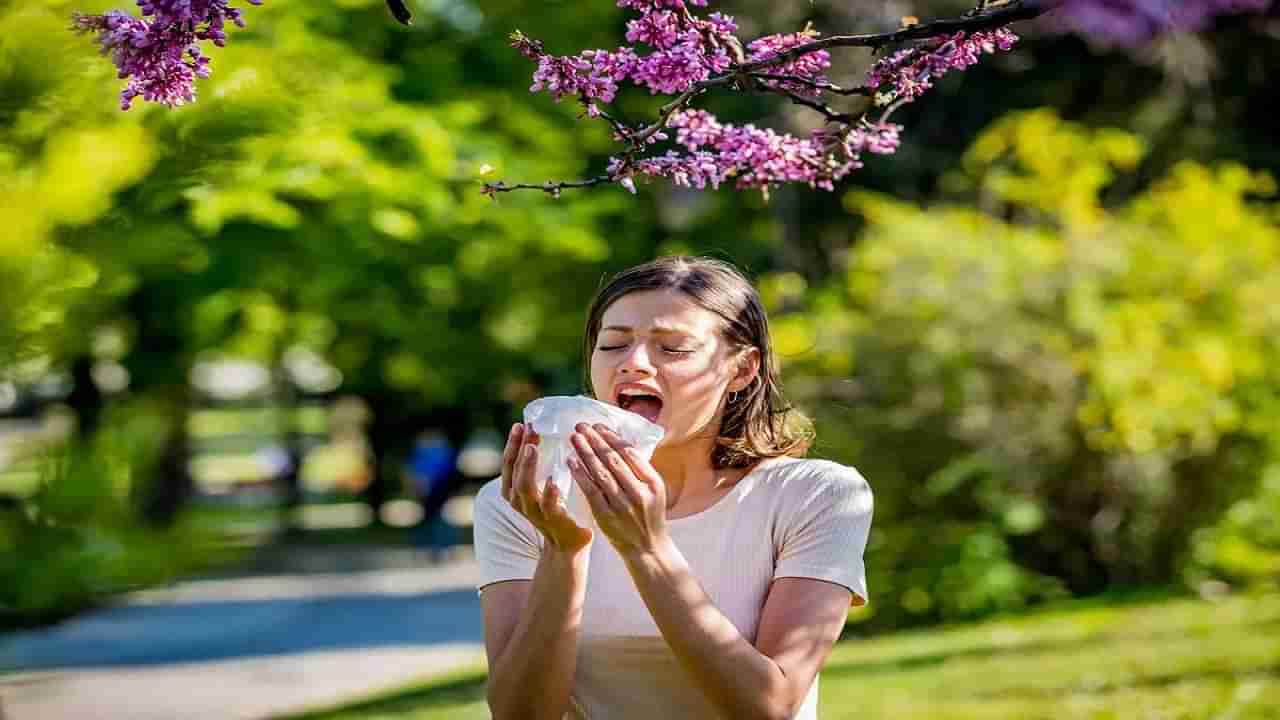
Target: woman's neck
{"type": "Point", "coordinates": [686, 468]}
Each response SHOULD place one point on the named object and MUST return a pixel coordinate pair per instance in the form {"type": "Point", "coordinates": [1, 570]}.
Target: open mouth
{"type": "Point", "coordinates": [644, 405]}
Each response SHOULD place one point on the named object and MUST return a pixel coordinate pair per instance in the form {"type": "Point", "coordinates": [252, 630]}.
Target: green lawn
{"type": "Point", "coordinates": [1168, 659]}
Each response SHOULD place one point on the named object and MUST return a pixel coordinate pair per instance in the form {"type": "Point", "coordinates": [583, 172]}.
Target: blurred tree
{"type": "Point", "coordinates": [1046, 389]}
{"type": "Point", "coordinates": [323, 193]}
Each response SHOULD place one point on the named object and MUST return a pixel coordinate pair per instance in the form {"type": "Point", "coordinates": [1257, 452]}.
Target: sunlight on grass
{"type": "Point", "coordinates": [1183, 658]}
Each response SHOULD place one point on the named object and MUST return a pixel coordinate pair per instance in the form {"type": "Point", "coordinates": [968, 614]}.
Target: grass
{"type": "Point", "coordinates": [1173, 659]}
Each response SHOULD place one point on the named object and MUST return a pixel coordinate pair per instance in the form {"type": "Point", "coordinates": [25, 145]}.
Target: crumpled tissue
{"type": "Point", "coordinates": [554, 419]}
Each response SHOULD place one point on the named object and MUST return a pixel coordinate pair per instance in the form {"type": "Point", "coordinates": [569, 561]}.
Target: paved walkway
{"type": "Point", "coordinates": [247, 647]}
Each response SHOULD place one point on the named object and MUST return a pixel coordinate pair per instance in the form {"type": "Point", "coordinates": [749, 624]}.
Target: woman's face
{"type": "Point", "coordinates": [662, 356]}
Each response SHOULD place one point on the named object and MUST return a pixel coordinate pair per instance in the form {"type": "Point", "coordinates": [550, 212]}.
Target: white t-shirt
{"type": "Point", "coordinates": [788, 517]}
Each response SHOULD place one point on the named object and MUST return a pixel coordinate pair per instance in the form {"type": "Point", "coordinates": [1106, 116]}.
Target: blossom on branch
{"type": "Point", "coordinates": [909, 73]}
{"type": "Point", "coordinates": [159, 53]}
{"type": "Point", "coordinates": [756, 158]}
{"type": "Point", "coordinates": [806, 67]}
{"type": "Point", "coordinates": [687, 56]}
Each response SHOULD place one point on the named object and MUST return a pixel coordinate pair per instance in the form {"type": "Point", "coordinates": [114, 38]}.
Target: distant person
{"type": "Point", "coordinates": [711, 581]}
{"type": "Point", "coordinates": [430, 465]}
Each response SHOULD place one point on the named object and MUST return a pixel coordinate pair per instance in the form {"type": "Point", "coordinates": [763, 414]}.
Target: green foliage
{"type": "Point", "coordinates": [79, 537]}
{"type": "Point", "coordinates": [1048, 392]}
{"type": "Point", "coordinates": [323, 191]}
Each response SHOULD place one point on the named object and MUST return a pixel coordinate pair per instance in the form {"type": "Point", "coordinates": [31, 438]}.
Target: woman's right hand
{"type": "Point", "coordinates": [543, 508]}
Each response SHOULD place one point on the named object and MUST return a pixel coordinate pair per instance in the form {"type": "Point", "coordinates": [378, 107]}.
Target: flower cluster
{"type": "Point", "coordinates": [1132, 22]}
{"type": "Point", "coordinates": [909, 73]}
{"type": "Point", "coordinates": [685, 50]}
{"type": "Point", "coordinates": [159, 53]}
{"type": "Point", "coordinates": [755, 157]}
{"type": "Point", "coordinates": [808, 66]}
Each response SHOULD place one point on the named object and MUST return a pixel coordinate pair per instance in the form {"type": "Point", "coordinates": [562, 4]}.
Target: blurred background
{"type": "Point", "coordinates": [277, 336]}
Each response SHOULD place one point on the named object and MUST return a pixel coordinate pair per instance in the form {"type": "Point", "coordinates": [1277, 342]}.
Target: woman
{"type": "Point", "coordinates": [710, 581]}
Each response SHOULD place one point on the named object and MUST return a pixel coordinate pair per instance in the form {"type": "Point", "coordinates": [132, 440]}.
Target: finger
{"type": "Point", "coordinates": [509, 455]}
{"type": "Point", "coordinates": [624, 477]}
{"type": "Point", "coordinates": [526, 483]}
{"type": "Point", "coordinates": [552, 504]}
{"type": "Point", "coordinates": [590, 489]}
{"type": "Point", "coordinates": [595, 465]}
{"type": "Point", "coordinates": [631, 468]}
{"type": "Point", "coordinates": [620, 471]}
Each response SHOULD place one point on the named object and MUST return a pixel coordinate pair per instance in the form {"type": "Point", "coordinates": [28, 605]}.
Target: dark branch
{"type": "Point", "coordinates": [826, 87]}
{"type": "Point", "coordinates": [551, 188]}
{"type": "Point", "coordinates": [999, 17]}
{"type": "Point", "coordinates": [827, 112]}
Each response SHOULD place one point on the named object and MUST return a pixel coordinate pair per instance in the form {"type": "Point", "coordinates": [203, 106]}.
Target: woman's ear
{"type": "Point", "coordinates": [748, 368]}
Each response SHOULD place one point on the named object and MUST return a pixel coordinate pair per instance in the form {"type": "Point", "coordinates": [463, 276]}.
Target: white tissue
{"type": "Point", "coordinates": [554, 419]}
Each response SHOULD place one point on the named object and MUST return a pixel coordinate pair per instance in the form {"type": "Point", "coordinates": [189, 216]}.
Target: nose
{"type": "Point", "coordinates": [635, 360]}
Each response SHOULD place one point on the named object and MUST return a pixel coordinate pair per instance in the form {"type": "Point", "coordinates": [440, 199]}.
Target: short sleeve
{"type": "Point", "coordinates": [507, 545]}
{"type": "Point", "coordinates": [823, 525]}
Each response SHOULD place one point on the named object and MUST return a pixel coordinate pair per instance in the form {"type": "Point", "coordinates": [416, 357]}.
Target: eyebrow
{"type": "Point", "coordinates": [656, 330]}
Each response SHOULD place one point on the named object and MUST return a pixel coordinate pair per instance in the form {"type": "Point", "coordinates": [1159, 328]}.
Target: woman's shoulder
{"type": "Point", "coordinates": [808, 476]}
{"type": "Point", "coordinates": [490, 507]}
{"type": "Point", "coordinates": [490, 490]}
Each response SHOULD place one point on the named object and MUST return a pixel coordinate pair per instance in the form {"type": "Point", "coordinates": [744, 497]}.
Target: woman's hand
{"type": "Point", "coordinates": [544, 508]}
{"type": "Point", "coordinates": [626, 494]}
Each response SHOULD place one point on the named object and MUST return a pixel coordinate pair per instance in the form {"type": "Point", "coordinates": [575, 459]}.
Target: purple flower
{"type": "Point", "coordinates": [912, 71]}
{"type": "Point", "coordinates": [660, 28]}
{"type": "Point", "coordinates": [647, 5]}
{"type": "Point", "coordinates": [879, 138]}
{"type": "Point", "coordinates": [722, 24]}
{"type": "Point", "coordinates": [158, 53]}
{"type": "Point", "coordinates": [592, 75]}
{"type": "Point", "coordinates": [675, 70]}
{"type": "Point", "coordinates": [808, 66]}
{"type": "Point", "coordinates": [756, 157]}
{"type": "Point", "coordinates": [160, 62]}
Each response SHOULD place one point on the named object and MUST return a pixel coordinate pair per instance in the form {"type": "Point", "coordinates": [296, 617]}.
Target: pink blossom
{"type": "Point", "coordinates": [912, 71]}
{"type": "Point", "coordinates": [808, 66]}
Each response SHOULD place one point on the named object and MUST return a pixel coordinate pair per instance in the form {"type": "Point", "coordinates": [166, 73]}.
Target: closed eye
{"type": "Point", "coordinates": [673, 351]}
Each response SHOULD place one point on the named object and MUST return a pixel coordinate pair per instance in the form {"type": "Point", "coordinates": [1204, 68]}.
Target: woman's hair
{"type": "Point", "coordinates": [758, 423]}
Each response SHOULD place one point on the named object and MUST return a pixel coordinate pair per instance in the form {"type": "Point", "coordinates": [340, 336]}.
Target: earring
{"type": "Point", "coordinates": [733, 397]}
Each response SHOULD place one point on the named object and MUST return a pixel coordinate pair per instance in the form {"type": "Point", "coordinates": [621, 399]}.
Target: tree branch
{"type": "Point", "coordinates": [827, 112]}
{"type": "Point", "coordinates": [984, 17]}
{"type": "Point", "coordinates": [551, 188]}
{"type": "Point", "coordinates": [1002, 15]}
{"type": "Point", "coordinates": [827, 87]}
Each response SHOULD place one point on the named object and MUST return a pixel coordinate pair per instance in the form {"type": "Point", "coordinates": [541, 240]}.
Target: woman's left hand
{"type": "Point", "coordinates": [627, 495]}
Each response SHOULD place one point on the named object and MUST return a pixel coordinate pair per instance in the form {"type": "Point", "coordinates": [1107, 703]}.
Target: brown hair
{"type": "Point", "coordinates": [759, 423]}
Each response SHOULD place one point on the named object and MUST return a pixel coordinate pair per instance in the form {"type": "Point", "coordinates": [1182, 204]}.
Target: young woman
{"type": "Point", "coordinates": [708, 582]}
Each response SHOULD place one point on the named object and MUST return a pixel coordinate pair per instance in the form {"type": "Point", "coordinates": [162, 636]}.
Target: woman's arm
{"type": "Point", "coordinates": [800, 621]}
{"type": "Point", "coordinates": [531, 637]}
{"type": "Point", "coordinates": [531, 626]}
{"type": "Point", "coordinates": [799, 624]}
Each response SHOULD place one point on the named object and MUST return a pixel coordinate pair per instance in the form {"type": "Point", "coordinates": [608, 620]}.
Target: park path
{"type": "Point", "coordinates": [247, 647]}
